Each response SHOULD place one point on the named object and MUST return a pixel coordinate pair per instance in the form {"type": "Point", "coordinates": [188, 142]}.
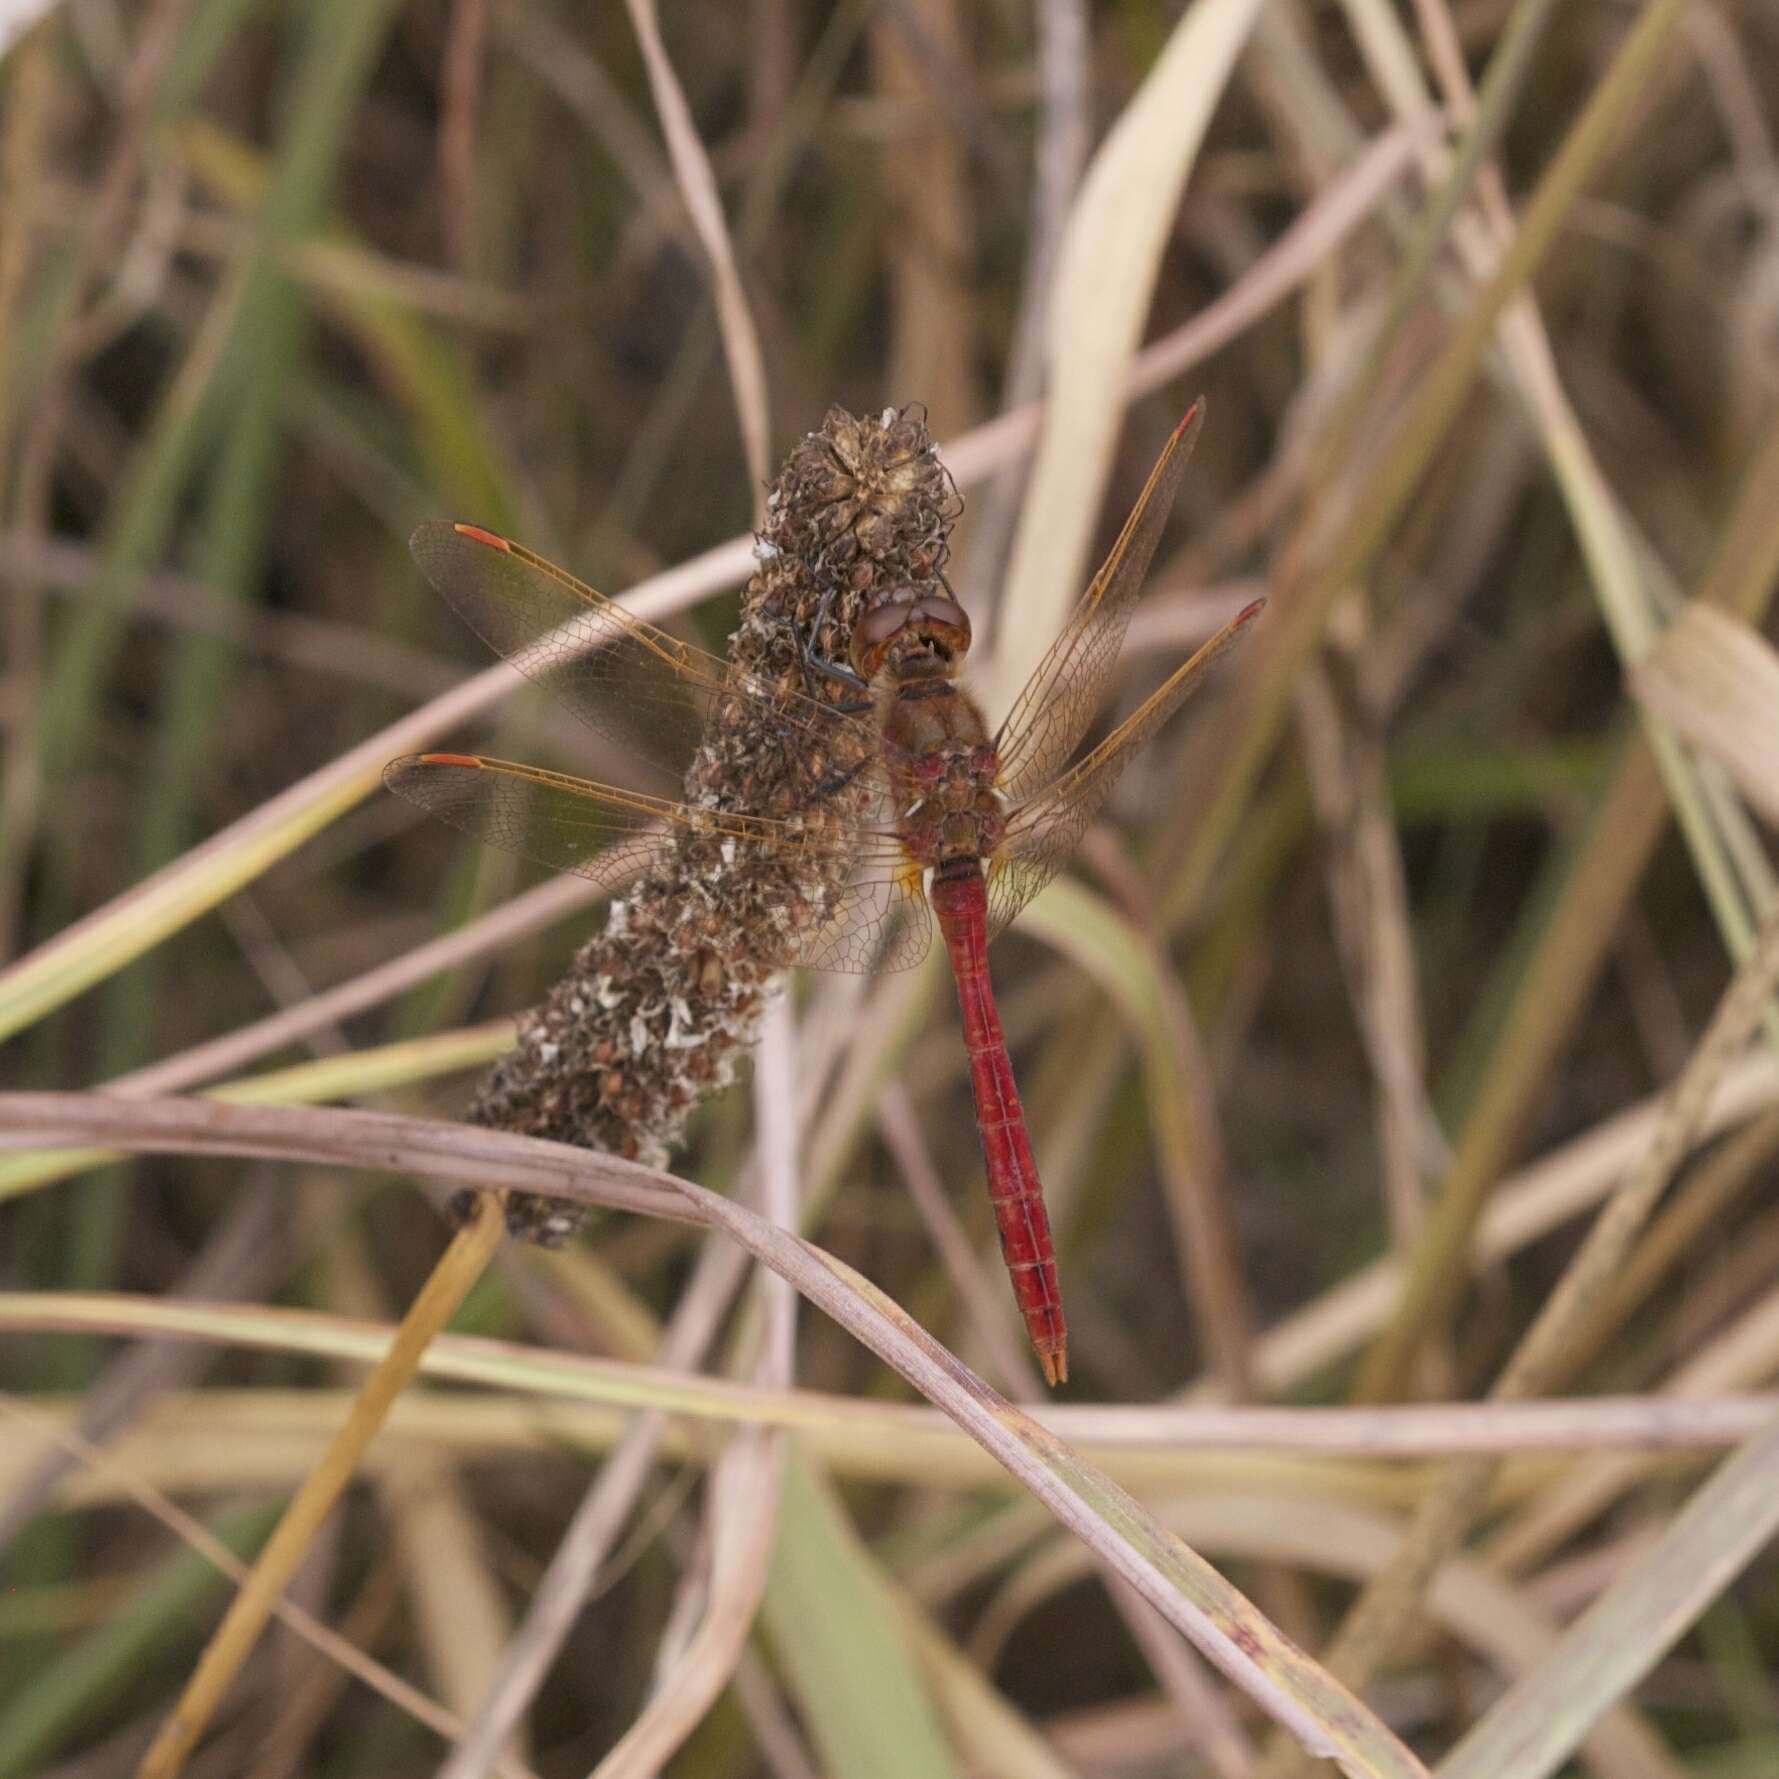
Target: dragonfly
{"type": "Point", "coordinates": [946, 822]}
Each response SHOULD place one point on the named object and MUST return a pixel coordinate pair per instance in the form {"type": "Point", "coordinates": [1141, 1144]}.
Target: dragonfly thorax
{"type": "Point", "coordinates": [944, 769]}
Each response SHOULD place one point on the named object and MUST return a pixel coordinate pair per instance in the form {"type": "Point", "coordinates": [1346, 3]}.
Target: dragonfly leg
{"type": "Point", "coordinates": [814, 664]}
{"type": "Point", "coordinates": [836, 782]}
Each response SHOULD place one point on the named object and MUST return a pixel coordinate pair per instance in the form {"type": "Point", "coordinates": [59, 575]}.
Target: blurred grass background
{"type": "Point", "coordinates": [278, 282]}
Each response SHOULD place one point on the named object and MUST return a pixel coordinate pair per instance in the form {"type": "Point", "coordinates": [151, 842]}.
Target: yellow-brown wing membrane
{"type": "Point", "coordinates": [872, 918]}
{"type": "Point", "coordinates": [1044, 830]}
{"type": "Point", "coordinates": [1052, 713]}
{"type": "Point", "coordinates": [622, 677]}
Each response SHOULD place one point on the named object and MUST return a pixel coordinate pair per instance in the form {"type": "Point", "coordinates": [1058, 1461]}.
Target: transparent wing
{"type": "Point", "coordinates": [622, 677]}
{"type": "Point", "coordinates": [1051, 714]}
{"type": "Point", "coordinates": [878, 920]}
{"type": "Point", "coordinates": [1043, 832]}
{"type": "Point", "coordinates": [570, 824]}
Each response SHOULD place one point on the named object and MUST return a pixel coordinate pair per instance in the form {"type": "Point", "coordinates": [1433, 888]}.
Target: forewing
{"type": "Point", "coordinates": [1043, 832]}
{"type": "Point", "coordinates": [877, 921]}
{"type": "Point", "coordinates": [1052, 713]}
{"type": "Point", "coordinates": [621, 676]}
{"type": "Point", "coordinates": [570, 824]}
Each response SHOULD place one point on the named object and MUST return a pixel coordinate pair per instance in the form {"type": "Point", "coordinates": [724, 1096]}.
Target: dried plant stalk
{"type": "Point", "coordinates": [653, 1013]}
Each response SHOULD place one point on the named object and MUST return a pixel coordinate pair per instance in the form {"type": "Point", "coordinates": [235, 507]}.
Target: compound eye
{"type": "Point", "coordinates": [875, 631]}
{"type": "Point", "coordinates": [935, 619]}
{"type": "Point", "coordinates": [945, 621]}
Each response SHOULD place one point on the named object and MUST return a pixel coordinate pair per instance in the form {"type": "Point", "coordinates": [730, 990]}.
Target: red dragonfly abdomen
{"type": "Point", "coordinates": [959, 899]}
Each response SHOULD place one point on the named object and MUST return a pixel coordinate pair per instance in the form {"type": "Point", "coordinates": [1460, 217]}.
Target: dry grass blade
{"type": "Point", "coordinates": [1383, 1611]}
{"type": "Point", "coordinates": [112, 936]}
{"type": "Point", "coordinates": [1490, 289]}
{"type": "Point", "coordinates": [349, 1075]}
{"type": "Point", "coordinates": [1434, 408]}
{"type": "Point", "coordinates": [239, 1254]}
{"type": "Point", "coordinates": [1287, 264]}
{"type": "Point", "coordinates": [971, 1280]}
{"type": "Point", "coordinates": [1204, 1710]}
{"type": "Point", "coordinates": [1183, 1114]}
{"type": "Point", "coordinates": [1061, 154]}
{"type": "Point", "coordinates": [1195, 1599]}
{"type": "Point", "coordinates": [838, 1640]}
{"type": "Point", "coordinates": [556, 1603]}
{"type": "Point", "coordinates": [1369, 894]}
{"type": "Point", "coordinates": [1716, 681]}
{"type": "Point", "coordinates": [1534, 1728]}
{"type": "Point", "coordinates": [742, 1513]}
{"type": "Point", "coordinates": [1105, 278]}
{"type": "Point", "coordinates": [593, 1530]}
{"type": "Point", "coordinates": [776, 1117]}
{"type": "Point", "coordinates": [923, 73]}
{"type": "Point", "coordinates": [1469, 1602]}
{"type": "Point", "coordinates": [744, 1516]}
{"type": "Point", "coordinates": [339, 1650]}
{"type": "Point", "coordinates": [1185, 1589]}
{"type": "Point", "coordinates": [1747, 1349]}
{"type": "Point", "coordinates": [458, 1269]}
{"type": "Point", "coordinates": [691, 166]}
{"type": "Point", "coordinates": [450, 1152]}
{"type": "Point", "coordinates": [1527, 1205]}
{"type": "Point", "coordinates": [1138, 1444]}
{"type": "Point", "coordinates": [124, 929]}
{"type": "Point", "coordinates": [19, 19]}
{"type": "Point", "coordinates": [461, 81]}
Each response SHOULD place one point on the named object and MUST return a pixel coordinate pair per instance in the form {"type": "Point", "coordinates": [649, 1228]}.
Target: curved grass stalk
{"type": "Point", "coordinates": [1193, 1597]}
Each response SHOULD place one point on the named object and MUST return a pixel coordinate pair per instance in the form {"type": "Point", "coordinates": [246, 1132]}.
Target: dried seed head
{"type": "Point", "coordinates": [674, 985]}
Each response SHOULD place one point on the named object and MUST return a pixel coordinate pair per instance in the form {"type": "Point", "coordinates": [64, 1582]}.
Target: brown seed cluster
{"type": "Point", "coordinates": [655, 1010]}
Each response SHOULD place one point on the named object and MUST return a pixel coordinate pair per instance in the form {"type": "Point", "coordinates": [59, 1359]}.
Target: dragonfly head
{"type": "Point", "coordinates": [913, 632]}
